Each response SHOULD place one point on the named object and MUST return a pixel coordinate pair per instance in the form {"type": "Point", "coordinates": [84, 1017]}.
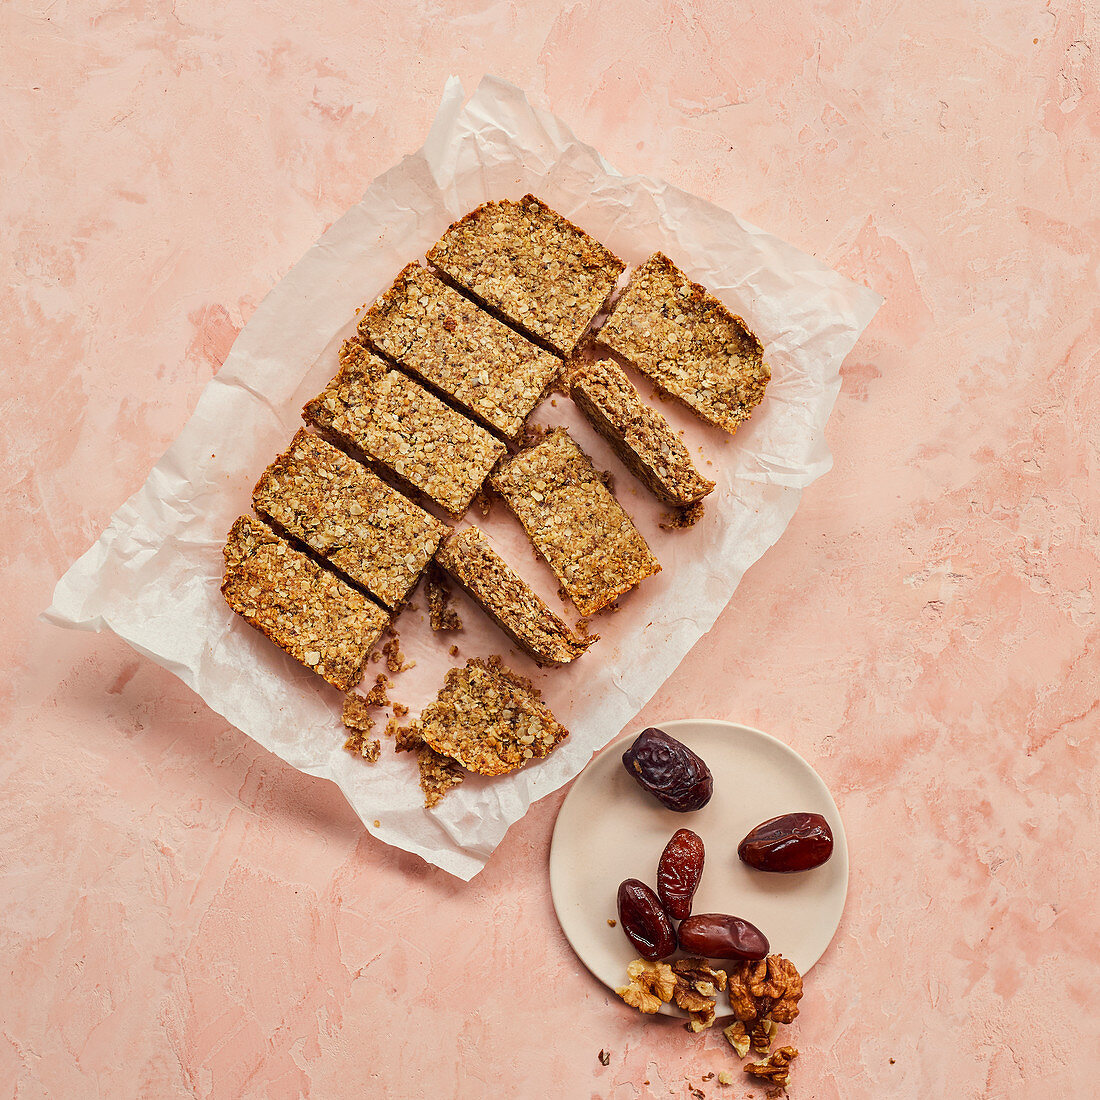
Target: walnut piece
{"type": "Point", "coordinates": [763, 1032]}
{"type": "Point", "coordinates": [696, 988]}
{"type": "Point", "coordinates": [652, 984]}
{"type": "Point", "coordinates": [776, 1069]}
{"type": "Point", "coordinates": [767, 989]}
{"type": "Point", "coordinates": [738, 1038]}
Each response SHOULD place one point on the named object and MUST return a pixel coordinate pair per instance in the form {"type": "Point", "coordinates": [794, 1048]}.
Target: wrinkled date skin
{"type": "Point", "coordinates": [644, 921]}
{"type": "Point", "coordinates": [719, 936]}
{"type": "Point", "coordinates": [679, 872]}
{"type": "Point", "coordinates": [791, 842]}
{"type": "Point", "coordinates": [670, 771]}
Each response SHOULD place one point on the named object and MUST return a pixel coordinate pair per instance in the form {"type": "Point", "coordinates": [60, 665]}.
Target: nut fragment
{"type": "Point", "coordinates": [763, 1032]}
{"type": "Point", "coordinates": [776, 1069]}
{"type": "Point", "coordinates": [765, 989]}
{"type": "Point", "coordinates": [696, 991]}
{"type": "Point", "coordinates": [652, 984]}
{"type": "Point", "coordinates": [738, 1038]}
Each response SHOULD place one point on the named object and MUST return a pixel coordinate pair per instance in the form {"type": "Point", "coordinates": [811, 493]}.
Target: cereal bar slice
{"type": "Point", "coordinates": [434, 332]}
{"type": "Point", "coordinates": [575, 522]}
{"type": "Point", "coordinates": [640, 435]}
{"type": "Point", "coordinates": [386, 418]}
{"type": "Point", "coordinates": [685, 339]}
{"type": "Point", "coordinates": [311, 613]}
{"type": "Point", "coordinates": [349, 516]}
{"type": "Point", "coordinates": [508, 600]}
{"type": "Point", "coordinates": [532, 266]}
{"type": "Point", "coordinates": [490, 719]}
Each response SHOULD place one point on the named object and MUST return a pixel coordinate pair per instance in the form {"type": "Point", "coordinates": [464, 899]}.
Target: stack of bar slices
{"type": "Point", "coordinates": [429, 408]}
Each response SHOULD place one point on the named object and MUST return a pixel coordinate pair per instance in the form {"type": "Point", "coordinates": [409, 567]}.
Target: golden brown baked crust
{"type": "Point", "coordinates": [534, 267]}
{"type": "Point", "coordinates": [430, 329]}
{"type": "Point", "coordinates": [349, 516]}
{"type": "Point", "coordinates": [388, 419]}
{"type": "Point", "coordinates": [508, 600]}
{"type": "Point", "coordinates": [681, 336]}
{"type": "Point", "coordinates": [575, 522]}
{"type": "Point", "coordinates": [309, 612]}
{"type": "Point", "coordinates": [640, 435]}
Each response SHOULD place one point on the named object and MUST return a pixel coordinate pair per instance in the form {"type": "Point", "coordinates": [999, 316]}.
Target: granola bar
{"type": "Point", "coordinates": [489, 719]}
{"type": "Point", "coordinates": [686, 340]}
{"type": "Point", "coordinates": [574, 521]}
{"type": "Point", "coordinates": [535, 268]}
{"type": "Point", "coordinates": [640, 435]}
{"type": "Point", "coordinates": [349, 516]}
{"type": "Point", "coordinates": [507, 599]}
{"type": "Point", "coordinates": [386, 418]}
{"type": "Point", "coordinates": [311, 613]}
{"type": "Point", "coordinates": [444, 339]}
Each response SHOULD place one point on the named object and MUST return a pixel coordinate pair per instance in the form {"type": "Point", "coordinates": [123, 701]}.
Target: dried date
{"type": "Point", "coordinates": [644, 920]}
{"type": "Point", "coordinates": [669, 770]}
{"type": "Point", "coordinates": [720, 936]}
{"type": "Point", "coordinates": [679, 872]}
{"type": "Point", "coordinates": [790, 842]}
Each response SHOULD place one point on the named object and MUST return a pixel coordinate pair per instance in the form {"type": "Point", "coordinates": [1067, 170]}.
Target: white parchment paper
{"type": "Point", "coordinates": [153, 577]}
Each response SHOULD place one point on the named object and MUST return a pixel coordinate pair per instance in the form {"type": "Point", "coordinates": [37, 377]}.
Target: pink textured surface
{"type": "Point", "coordinates": [181, 914]}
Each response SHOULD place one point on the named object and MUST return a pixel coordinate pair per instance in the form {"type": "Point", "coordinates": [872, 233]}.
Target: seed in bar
{"type": "Point", "coordinates": [639, 434]}
{"type": "Point", "coordinates": [686, 341]}
{"type": "Point", "coordinates": [386, 418]}
{"type": "Point", "coordinates": [431, 330]}
{"type": "Point", "coordinates": [363, 528]}
{"type": "Point", "coordinates": [311, 613]}
{"type": "Point", "coordinates": [535, 268]}
{"type": "Point", "coordinates": [508, 600]}
{"type": "Point", "coordinates": [575, 522]}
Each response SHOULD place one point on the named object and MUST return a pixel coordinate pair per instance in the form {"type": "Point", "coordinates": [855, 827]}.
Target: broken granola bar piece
{"type": "Point", "coordinates": [359, 744]}
{"type": "Point", "coordinates": [535, 268]}
{"type": "Point", "coordinates": [685, 340]}
{"type": "Point", "coordinates": [434, 332]}
{"type": "Point", "coordinates": [359, 722]}
{"type": "Point", "coordinates": [438, 774]}
{"type": "Point", "coordinates": [366, 530]}
{"type": "Point", "coordinates": [575, 522]}
{"type": "Point", "coordinates": [639, 434]}
{"type": "Point", "coordinates": [356, 714]}
{"type": "Point", "coordinates": [384, 418]}
{"type": "Point", "coordinates": [441, 615]}
{"type": "Point", "coordinates": [490, 719]}
{"type": "Point", "coordinates": [307, 611]}
{"type": "Point", "coordinates": [508, 600]}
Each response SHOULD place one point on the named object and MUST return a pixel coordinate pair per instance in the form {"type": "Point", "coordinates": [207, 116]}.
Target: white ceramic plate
{"type": "Point", "coordinates": [609, 829]}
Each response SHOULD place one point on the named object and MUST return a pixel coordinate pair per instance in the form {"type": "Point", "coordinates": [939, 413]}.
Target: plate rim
{"type": "Point", "coordinates": [840, 836]}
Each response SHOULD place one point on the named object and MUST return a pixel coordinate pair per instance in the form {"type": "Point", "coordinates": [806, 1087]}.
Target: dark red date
{"type": "Point", "coordinates": [669, 770]}
{"type": "Point", "coordinates": [720, 936]}
{"type": "Point", "coordinates": [791, 842]}
{"type": "Point", "coordinates": [644, 921]}
{"type": "Point", "coordinates": [679, 872]}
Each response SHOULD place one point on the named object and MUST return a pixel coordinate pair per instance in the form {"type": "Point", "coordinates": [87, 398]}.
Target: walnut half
{"type": "Point", "coordinates": [696, 991]}
{"type": "Point", "coordinates": [768, 989]}
{"type": "Point", "coordinates": [652, 984]}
